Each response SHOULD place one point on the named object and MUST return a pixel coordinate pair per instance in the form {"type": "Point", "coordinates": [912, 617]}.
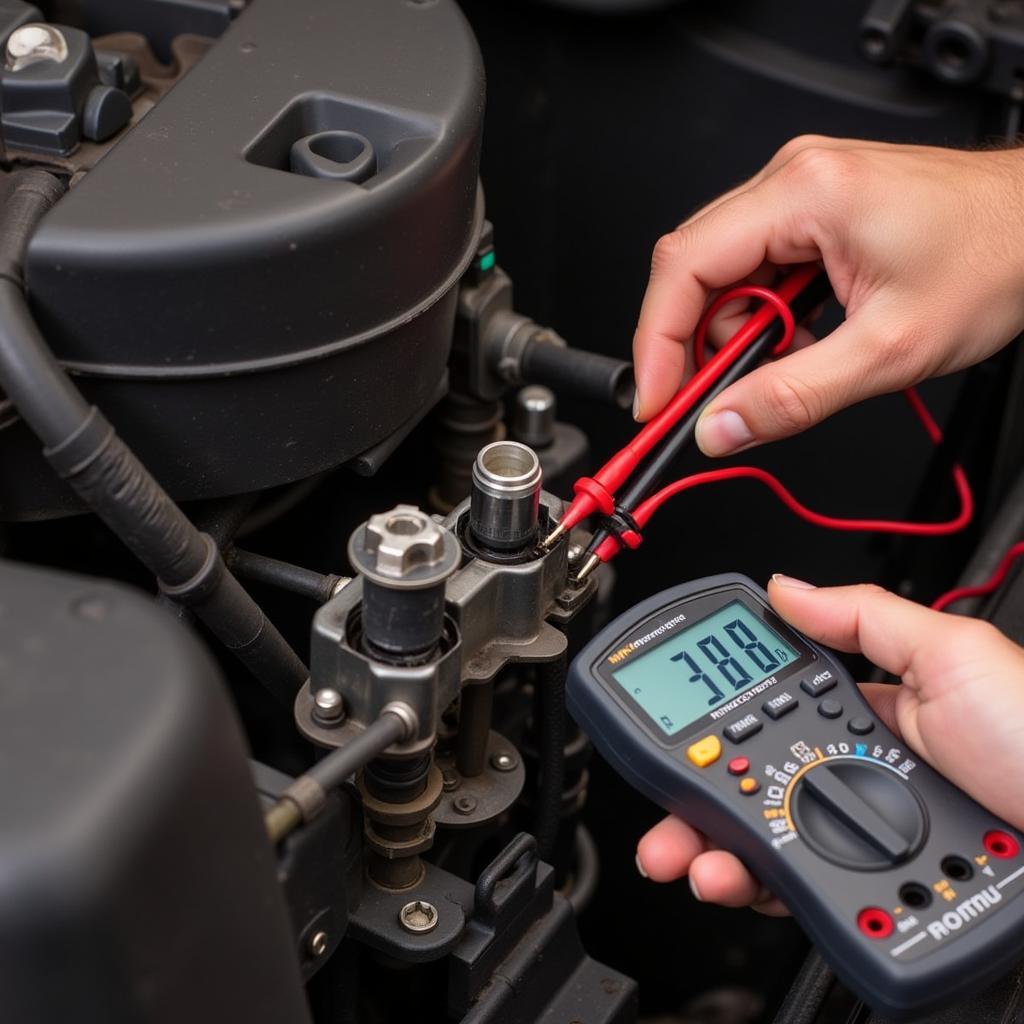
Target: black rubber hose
{"type": "Point", "coordinates": [550, 728]}
{"type": "Point", "coordinates": [83, 448]}
{"type": "Point", "coordinates": [284, 575]}
{"type": "Point", "coordinates": [578, 372]}
{"type": "Point", "coordinates": [807, 993]}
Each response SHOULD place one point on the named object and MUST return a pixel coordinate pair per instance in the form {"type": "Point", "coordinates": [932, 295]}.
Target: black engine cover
{"type": "Point", "coordinates": [244, 324]}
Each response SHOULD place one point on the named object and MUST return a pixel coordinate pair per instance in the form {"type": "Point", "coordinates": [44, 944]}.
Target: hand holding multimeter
{"type": "Point", "coordinates": [718, 710]}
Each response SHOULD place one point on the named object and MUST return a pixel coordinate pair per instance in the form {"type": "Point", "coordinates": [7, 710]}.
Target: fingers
{"type": "Point", "coordinates": [666, 852]}
{"type": "Point", "coordinates": [718, 877]}
{"type": "Point", "coordinates": [722, 246]}
{"type": "Point", "coordinates": [801, 389]}
{"type": "Point", "coordinates": [673, 849]}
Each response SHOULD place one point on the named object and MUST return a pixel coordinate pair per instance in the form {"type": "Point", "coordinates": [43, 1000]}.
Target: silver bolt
{"type": "Point", "coordinates": [33, 43]}
{"type": "Point", "coordinates": [504, 761]}
{"type": "Point", "coordinates": [533, 417]}
{"type": "Point", "coordinates": [449, 780]}
{"type": "Point", "coordinates": [418, 917]}
{"type": "Point", "coordinates": [318, 943]}
{"type": "Point", "coordinates": [328, 705]}
{"type": "Point", "coordinates": [575, 552]}
{"type": "Point", "coordinates": [464, 805]}
{"type": "Point", "coordinates": [403, 539]}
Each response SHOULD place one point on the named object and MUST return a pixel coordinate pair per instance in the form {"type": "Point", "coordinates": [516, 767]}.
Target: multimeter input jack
{"type": "Point", "coordinates": [915, 896]}
{"type": "Point", "coordinates": [957, 868]}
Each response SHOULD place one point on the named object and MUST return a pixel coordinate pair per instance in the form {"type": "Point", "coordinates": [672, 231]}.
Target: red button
{"type": "Point", "coordinates": [1001, 844]}
{"type": "Point", "coordinates": [739, 766]}
{"type": "Point", "coordinates": [875, 923]}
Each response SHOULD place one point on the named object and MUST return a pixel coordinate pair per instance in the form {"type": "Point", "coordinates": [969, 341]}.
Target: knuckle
{"type": "Point", "coordinates": [795, 145]}
{"type": "Point", "coordinates": [825, 172]}
{"type": "Point", "coordinates": [792, 404]}
{"type": "Point", "coordinates": [667, 250]}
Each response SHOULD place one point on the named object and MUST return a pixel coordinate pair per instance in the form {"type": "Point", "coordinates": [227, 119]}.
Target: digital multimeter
{"type": "Point", "coordinates": [713, 707]}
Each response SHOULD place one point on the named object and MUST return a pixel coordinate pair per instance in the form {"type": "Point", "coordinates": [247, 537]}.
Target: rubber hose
{"type": "Point", "coordinates": [83, 448]}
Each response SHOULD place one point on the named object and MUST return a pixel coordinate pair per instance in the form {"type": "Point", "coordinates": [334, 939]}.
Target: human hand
{"type": "Point", "coordinates": [960, 707]}
{"type": "Point", "coordinates": [924, 248]}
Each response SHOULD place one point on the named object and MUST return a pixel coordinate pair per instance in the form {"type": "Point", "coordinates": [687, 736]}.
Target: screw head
{"type": "Point", "coordinates": [403, 539]}
{"type": "Point", "coordinates": [318, 943]}
{"type": "Point", "coordinates": [504, 761]}
{"type": "Point", "coordinates": [33, 43]}
{"type": "Point", "coordinates": [418, 917]}
{"type": "Point", "coordinates": [449, 780]}
{"type": "Point", "coordinates": [464, 805]}
{"type": "Point", "coordinates": [328, 705]}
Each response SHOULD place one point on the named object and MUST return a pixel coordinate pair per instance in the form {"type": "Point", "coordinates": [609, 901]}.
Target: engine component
{"type": "Point", "coordinates": [505, 498]}
{"type": "Point", "coordinates": [132, 851]}
{"type": "Point", "coordinates": [192, 267]}
{"type": "Point", "coordinates": [959, 42]}
{"type": "Point", "coordinates": [52, 91]}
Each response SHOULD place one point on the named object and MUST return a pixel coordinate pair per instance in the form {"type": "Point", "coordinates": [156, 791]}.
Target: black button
{"type": "Point", "coordinates": [821, 683]}
{"type": "Point", "coordinates": [830, 708]}
{"type": "Point", "coordinates": [779, 705]}
{"type": "Point", "coordinates": [860, 726]}
{"type": "Point", "coordinates": [743, 728]}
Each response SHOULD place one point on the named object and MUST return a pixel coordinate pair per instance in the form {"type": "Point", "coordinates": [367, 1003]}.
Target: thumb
{"type": "Point", "coordinates": [783, 398]}
{"type": "Point", "coordinates": [890, 631]}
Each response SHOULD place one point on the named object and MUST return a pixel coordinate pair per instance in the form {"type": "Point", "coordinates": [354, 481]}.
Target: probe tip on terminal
{"type": "Point", "coordinates": [587, 568]}
{"type": "Point", "coordinates": [550, 540]}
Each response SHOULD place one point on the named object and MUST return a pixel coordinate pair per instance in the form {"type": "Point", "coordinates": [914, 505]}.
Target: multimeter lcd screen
{"type": "Point", "coordinates": [705, 665]}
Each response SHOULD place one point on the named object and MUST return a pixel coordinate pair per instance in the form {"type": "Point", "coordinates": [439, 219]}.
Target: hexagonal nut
{"type": "Point", "coordinates": [402, 540]}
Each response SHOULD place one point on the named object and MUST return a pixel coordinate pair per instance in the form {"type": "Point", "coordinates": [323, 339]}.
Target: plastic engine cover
{"type": "Point", "coordinates": [258, 281]}
{"type": "Point", "coordinates": [136, 879]}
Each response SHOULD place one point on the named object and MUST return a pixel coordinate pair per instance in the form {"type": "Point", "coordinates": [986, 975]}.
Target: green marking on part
{"type": "Point", "coordinates": [487, 260]}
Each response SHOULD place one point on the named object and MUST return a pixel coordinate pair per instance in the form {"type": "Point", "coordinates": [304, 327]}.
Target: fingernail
{"type": "Point", "coordinates": [722, 433]}
{"type": "Point", "coordinates": [640, 867]}
{"type": "Point", "coordinates": [695, 890]}
{"type": "Point", "coordinates": [636, 406]}
{"type": "Point", "coordinates": [789, 581]}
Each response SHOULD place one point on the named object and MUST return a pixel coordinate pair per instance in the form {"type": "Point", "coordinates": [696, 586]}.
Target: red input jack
{"type": "Point", "coordinates": [875, 923]}
{"type": "Point", "coordinates": [1001, 844]}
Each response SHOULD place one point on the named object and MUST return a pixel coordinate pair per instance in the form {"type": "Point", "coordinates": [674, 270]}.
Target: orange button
{"type": "Point", "coordinates": [705, 751]}
{"type": "Point", "coordinates": [749, 786]}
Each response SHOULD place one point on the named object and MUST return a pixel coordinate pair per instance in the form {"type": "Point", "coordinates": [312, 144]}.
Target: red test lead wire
{"type": "Point", "coordinates": [959, 593]}
{"type": "Point", "coordinates": [642, 515]}
{"type": "Point", "coordinates": [597, 493]}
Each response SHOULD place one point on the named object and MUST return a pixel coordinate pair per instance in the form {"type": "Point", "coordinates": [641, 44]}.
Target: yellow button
{"type": "Point", "coordinates": [705, 751]}
{"type": "Point", "coordinates": [749, 786]}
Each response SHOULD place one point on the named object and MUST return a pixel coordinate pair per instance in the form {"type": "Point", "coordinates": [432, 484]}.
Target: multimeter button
{"type": "Point", "coordinates": [817, 686]}
{"type": "Point", "coordinates": [705, 751]}
{"type": "Point", "coordinates": [860, 726]}
{"type": "Point", "coordinates": [743, 729]}
{"type": "Point", "coordinates": [739, 766]}
{"type": "Point", "coordinates": [749, 786]}
{"type": "Point", "coordinates": [777, 706]}
{"type": "Point", "coordinates": [830, 708]}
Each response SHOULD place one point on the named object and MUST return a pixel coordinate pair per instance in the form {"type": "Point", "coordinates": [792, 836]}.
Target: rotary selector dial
{"type": "Point", "coordinates": [858, 814]}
